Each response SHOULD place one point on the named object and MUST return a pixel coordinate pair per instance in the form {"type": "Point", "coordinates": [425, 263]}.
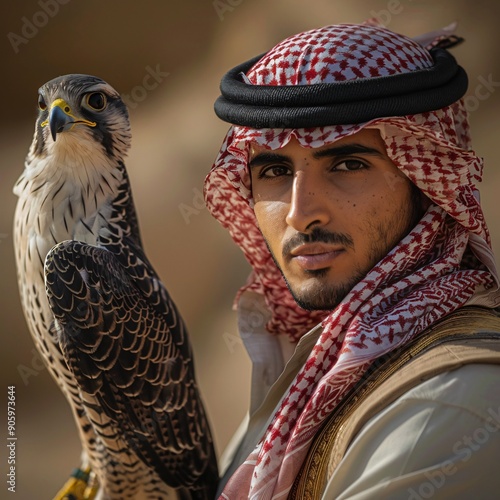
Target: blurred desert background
{"type": "Point", "coordinates": [176, 137]}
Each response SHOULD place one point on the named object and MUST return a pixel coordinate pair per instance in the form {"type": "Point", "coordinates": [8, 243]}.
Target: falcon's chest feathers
{"type": "Point", "coordinates": [67, 194]}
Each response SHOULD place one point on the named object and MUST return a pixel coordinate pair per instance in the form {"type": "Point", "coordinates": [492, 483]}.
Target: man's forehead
{"type": "Point", "coordinates": [367, 136]}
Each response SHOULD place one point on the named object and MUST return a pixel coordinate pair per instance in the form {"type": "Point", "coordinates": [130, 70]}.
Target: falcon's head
{"type": "Point", "coordinates": [83, 113]}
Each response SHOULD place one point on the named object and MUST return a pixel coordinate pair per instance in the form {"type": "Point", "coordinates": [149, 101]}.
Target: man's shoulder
{"type": "Point", "coordinates": [442, 434]}
{"type": "Point", "coordinates": [470, 387]}
{"type": "Point", "coordinates": [450, 363]}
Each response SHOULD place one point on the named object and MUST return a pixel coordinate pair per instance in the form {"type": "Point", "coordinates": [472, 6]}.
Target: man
{"type": "Point", "coordinates": [347, 179]}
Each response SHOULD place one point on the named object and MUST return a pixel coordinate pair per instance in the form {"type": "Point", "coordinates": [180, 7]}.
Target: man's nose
{"type": "Point", "coordinates": [309, 205]}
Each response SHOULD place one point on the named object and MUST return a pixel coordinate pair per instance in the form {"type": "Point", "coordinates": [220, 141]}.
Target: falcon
{"type": "Point", "coordinates": [104, 323]}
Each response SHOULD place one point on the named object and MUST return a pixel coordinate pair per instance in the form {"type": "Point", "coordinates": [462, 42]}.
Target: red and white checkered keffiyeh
{"type": "Point", "coordinates": [444, 263]}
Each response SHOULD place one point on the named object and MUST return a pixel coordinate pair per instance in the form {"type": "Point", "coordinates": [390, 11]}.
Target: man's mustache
{"type": "Point", "coordinates": [317, 235]}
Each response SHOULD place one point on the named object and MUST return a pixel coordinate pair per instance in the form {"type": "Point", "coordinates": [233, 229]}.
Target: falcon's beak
{"type": "Point", "coordinates": [61, 118]}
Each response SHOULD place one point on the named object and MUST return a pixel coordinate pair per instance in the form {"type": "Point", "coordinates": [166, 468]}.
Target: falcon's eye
{"type": "Point", "coordinates": [96, 100]}
{"type": "Point", "coordinates": [41, 103]}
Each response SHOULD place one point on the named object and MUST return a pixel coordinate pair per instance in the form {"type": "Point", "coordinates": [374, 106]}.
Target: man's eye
{"type": "Point", "coordinates": [349, 165]}
{"type": "Point", "coordinates": [274, 171]}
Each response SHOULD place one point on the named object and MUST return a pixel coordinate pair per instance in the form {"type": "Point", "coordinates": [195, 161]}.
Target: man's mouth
{"type": "Point", "coordinates": [315, 256]}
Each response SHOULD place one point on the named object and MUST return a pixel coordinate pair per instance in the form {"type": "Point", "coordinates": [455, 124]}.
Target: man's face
{"type": "Point", "coordinates": [330, 214]}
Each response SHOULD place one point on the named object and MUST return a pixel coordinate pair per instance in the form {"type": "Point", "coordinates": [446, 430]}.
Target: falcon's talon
{"type": "Point", "coordinates": [103, 321]}
{"type": "Point", "coordinates": [92, 488]}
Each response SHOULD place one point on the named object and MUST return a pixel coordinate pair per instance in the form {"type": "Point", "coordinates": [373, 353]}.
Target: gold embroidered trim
{"type": "Point", "coordinates": [466, 323]}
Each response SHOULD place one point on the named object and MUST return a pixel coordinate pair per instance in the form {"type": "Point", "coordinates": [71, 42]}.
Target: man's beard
{"type": "Point", "coordinates": [324, 296]}
{"type": "Point", "coordinates": [327, 296]}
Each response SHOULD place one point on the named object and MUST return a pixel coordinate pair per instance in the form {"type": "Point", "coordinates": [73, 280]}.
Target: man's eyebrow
{"type": "Point", "coordinates": [265, 158]}
{"type": "Point", "coordinates": [346, 150]}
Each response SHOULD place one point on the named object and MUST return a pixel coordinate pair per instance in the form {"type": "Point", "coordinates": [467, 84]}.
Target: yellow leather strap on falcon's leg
{"type": "Point", "coordinates": [82, 485]}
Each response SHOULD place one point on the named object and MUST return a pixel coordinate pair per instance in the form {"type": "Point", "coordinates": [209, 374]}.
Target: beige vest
{"type": "Point", "coordinates": [470, 335]}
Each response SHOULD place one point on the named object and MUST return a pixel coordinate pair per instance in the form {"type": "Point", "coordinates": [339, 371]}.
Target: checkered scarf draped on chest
{"type": "Point", "coordinates": [444, 263]}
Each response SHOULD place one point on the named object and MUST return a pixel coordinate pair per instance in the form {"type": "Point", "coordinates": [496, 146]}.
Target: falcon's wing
{"type": "Point", "coordinates": [133, 358]}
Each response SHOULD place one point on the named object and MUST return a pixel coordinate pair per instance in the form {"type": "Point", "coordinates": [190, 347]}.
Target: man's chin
{"type": "Point", "coordinates": [318, 293]}
{"type": "Point", "coordinates": [320, 297]}
{"type": "Point", "coordinates": [314, 306]}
